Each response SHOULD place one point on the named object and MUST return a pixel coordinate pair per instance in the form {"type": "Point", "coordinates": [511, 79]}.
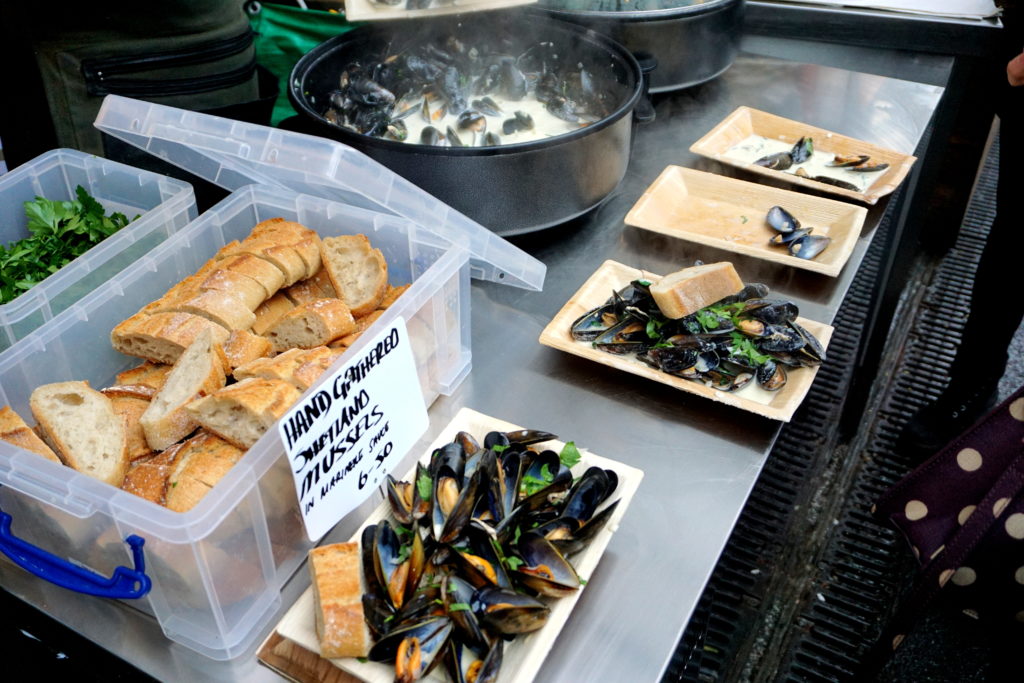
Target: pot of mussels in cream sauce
{"type": "Point", "coordinates": [519, 123]}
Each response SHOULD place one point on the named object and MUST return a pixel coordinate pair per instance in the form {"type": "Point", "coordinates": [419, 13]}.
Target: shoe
{"type": "Point", "coordinates": [938, 423]}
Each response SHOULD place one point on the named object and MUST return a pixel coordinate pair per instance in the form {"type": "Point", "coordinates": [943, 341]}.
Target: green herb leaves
{"type": "Point", "coordinates": [60, 232]}
{"type": "Point", "coordinates": [569, 455]}
{"type": "Point", "coordinates": [743, 346]}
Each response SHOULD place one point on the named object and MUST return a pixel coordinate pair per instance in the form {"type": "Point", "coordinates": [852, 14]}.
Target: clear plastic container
{"type": "Point", "coordinates": [164, 205]}
{"type": "Point", "coordinates": [217, 570]}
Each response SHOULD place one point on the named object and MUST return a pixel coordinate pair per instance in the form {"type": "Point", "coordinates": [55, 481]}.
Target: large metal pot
{"type": "Point", "coordinates": [511, 189]}
{"type": "Point", "coordinates": [693, 40]}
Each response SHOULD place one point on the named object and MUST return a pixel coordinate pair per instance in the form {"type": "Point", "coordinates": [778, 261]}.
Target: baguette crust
{"type": "Point", "coordinates": [336, 572]}
{"type": "Point", "coordinates": [687, 291]}
{"type": "Point", "coordinates": [15, 431]}
{"type": "Point", "coordinates": [270, 311]}
{"type": "Point", "coordinates": [220, 307]}
{"type": "Point", "coordinates": [201, 462]}
{"type": "Point", "coordinates": [358, 272]}
{"type": "Point", "coordinates": [149, 374]}
{"type": "Point", "coordinates": [162, 337]}
{"type": "Point", "coordinates": [299, 367]}
{"type": "Point", "coordinates": [391, 295]}
{"type": "Point", "coordinates": [250, 292]}
{"type": "Point", "coordinates": [131, 402]}
{"type": "Point", "coordinates": [243, 412]}
{"type": "Point", "coordinates": [80, 424]}
{"type": "Point", "coordinates": [243, 347]}
{"type": "Point", "coordinates": [312, 324]}
{"type": "Point", "coordinates": [147, 477]}
{"type": "Point", "coordinates": [266, 274]}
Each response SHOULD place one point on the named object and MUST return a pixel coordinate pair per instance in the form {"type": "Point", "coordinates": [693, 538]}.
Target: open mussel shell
{"type": "Point", "coordinates": [401, 496]}
{"type": "Point", "coordinates": [479, 557]}
{"type": "Point", "coordinates": [753, 290]}
{"type": "Point", "coordinates": [414, 648]}
{"type": "Point", "coordinates": [780, 338]}
{"type": "Point", "coordinates": [527, 437]}
{"type": "Point", "coordinates": [507, 612]}
{"type": "Point", "coordinates": [812, 347]}
{"type": "Point", "coordinates": [784, 238]}
{"type": "Point", "coordinates": [544, 569]}
{"type": "Point", "coordinates": [772, 312]}
{"type": "Point", "coordinates": [809, 246]}
{"type": "Point", "coordinates": [844, 161]}
{"type": "Point", "coordinates": [670, 359]}
{"type": "Point", "coordinates": [835, 182]}
{"type": "Point", "coordinates": [456, 595]}
{"type": "Point", "coordinates": [458, 516]}
{"type": "Point", "coordinates": [587, 494]}
{"type": "Point", "coordinates": [771, 376]}
{"type": "Point", "coordinates": [391, 571]}
{"type": "Point", "coordinates": [776, 162]}
{"type": "Point", "coordinates": [781, 220]}
{"type": "Point", "coordinates": [870, 168]}
{"type": "Point", "coordinates": [629, 335]}
{"type": "Point", "coordinates": [474, 665]}
{"type": "Point", "coordinates": [594, 322]}
{"type": "Point", "coordinates": [802, 150]}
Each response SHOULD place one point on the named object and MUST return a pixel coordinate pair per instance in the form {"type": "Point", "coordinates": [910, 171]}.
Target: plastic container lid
{"type": "Point", "coordinates": [233, 154]}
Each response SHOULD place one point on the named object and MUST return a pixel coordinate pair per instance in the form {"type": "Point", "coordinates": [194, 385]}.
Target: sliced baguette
{"type": "Point", "coordinates": [218, 306]}
{"type": "Point", "coordinates": [130, 401]}
{"type": "Point", "coordinates": [81, 426]}
{"type": "Point", "coordinates": [391, 295]}
{"type": "Point", "coordinates": [299, 367]}
{"type": "Point", "coordinates": [243, 347]}
{"type": "Point", "coordinates": [243, 412]}
{"type": "Point", "coordinates": [357, 271]}
{"type": "Point", "coordinates": [265, 273]}
{"type": "Point", "coordinates": [688, 290]}
{"type": "Point", "coordinates": [162, 337]}
{"type": "Point", "coordinates": [250, 292]}
{"type": "Point", "coordinates": [147, 477]}
{"type": "Point", "coordinates": [15, 431]}
{"type": "Point", "coordinates": [317, 287]}
{"type": "Point", "coordinates": [270, 311]}
{"type": "Point", "coordinates": [150, 374]}
{"type": "Point", "coordinates": [336, 572]}
{"type": "Point", "coordinates": [202, 461]}
{"type": "Point", "coordinates": [198, 372]}
{"type": "Point", "coordinates": [312, 324]}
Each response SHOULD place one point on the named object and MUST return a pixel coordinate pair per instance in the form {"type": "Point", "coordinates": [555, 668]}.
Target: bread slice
{"type": "Point", "coordinates": [80, 425]}
{"type": "Point", "coordinates": [162, 337]}
{"type": "Point", "coordinates": [250, 292]}
{"type": "Point", "coordinates": [201, 462]}
{"type": "Point", "coordinates": [299, 367]}
{"type": "Point", "coordinates": [147, 477]}
{"type": "Point", "coordinates": [687, 291]}
{"type": "Point", "coordinates": [305, 241]}
{"type": "Point", "coordinates": [283, 256]}
{"type": "Point", "coordinates": [336, 571]}
{"type": "Point", "coordinates": [243, 412]}
{"type": "Point", "coordinates": [265, 273]}
{"type": "Point", "coordinates": [317, 287]}
{"type": "Point", "coordinates": [150, 374]}
{"type": "Point", "coordinates": [361, 325]}
{"type": "Point", "coordinates": [15, 431]}
{"type": "Point", "coordinates": [270, 311]}
{"type": "Point", "coordinates": [391, 295]}
{"type": "Point", "coordinates": [311, 324]}
{"type": "Point", "coordinates": [130, 401]}
{"type": "Point", "coordinates": [358, 272]}
{"type": "Point", "coordinates": [198, 372]}
{"type": "Point", "coordinates": [243, 347]}
{"type": "Point", "coordinates": [220, 307]}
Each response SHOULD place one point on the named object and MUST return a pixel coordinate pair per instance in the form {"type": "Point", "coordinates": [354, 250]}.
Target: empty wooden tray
{"type": "Point", "coordinates": [730, 214]}
{"type": "Point", "coordinates": [744, 122]}
{"type": "Point", "coordinates": [612, 276]}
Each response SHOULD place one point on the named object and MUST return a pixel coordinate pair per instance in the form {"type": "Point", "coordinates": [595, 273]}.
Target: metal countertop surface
{"type": "Point", "coordinates": [700, 458]}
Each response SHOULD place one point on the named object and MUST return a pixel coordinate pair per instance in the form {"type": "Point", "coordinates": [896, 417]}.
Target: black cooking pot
{"type": "Point", "coordinates": [512, 188]}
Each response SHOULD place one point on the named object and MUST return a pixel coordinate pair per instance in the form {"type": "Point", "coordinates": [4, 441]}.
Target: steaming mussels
{"type": "Point", "coordinates": [481, 91]}
{"type": "Point", "coordinates": [741, 339]}
{"type": "Point", "coordinates": [477, 547]}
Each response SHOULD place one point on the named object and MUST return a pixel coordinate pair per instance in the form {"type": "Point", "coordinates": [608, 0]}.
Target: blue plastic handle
{"type": "Point", "coordinates": [125, 583]}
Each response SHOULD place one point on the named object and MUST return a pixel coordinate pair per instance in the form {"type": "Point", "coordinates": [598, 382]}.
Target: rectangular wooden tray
{"type": "Point", "coordinates": [745, 122]}
{"type": "Point", "coordinates": [523, 656]}
{"type": "Point", "coordinates": [730, 214]}
{"type": "Point", "coordinates": [611, 276]}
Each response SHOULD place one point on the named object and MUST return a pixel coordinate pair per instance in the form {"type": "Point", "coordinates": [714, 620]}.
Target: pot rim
{"type": "Point", "coordinates": [683, 12]}
{"type": "Point", "coordinates": [322, 51]}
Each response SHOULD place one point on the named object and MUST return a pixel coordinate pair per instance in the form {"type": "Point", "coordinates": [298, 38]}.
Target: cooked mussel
{"type": "Point", "coordinates": [779, 161]}
{"type": "Point", "coordinates": [508, 612]}
{"type": "Point", "coordinates": [544, 569]}
{"type": "Point", "coordinates": [414, 648]}
{"type": "Point", "coordinates": [809, 246]}
{"type": "Point", "coordinates": [781, 220]}
{"type": "Point", "coordinates": [802, 150]}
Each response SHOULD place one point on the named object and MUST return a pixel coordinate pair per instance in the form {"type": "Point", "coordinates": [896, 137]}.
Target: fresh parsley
{"type": "Point", "coordinates": [570, 455]}
{"type": "Point", "coordinates": [743, 219]}
{"type": "Point", "coordinates": [513, 563]}
{"type": "Point", "coordinates": [424, 486]}
{"type": "Point", "coordinates": [458, 606]}
{"type": "Point", "coordinates": [743, 347]}
{"type": "Point", "coordinates": [499, 448]}
{"type": "Point", "coordinates": [60, 231]}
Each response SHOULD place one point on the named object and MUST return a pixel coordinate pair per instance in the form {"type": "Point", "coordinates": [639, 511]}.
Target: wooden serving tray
{"type": "Point", "coordinates": [730, 214]}
{"type": "Point", "coordinates": [745, 122]}
{"type": "Point", "coordinates": [613, 276]}
{"type": "Point", "coordinates": [523, 656]}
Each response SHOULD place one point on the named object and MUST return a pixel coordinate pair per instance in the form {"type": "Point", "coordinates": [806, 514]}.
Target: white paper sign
{"type": "Point", "coordinates": [345, 438]}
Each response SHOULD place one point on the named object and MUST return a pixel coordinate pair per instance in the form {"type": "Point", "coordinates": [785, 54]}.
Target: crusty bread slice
{"type": "Point", "coordinates": [250, 292]}
{"type": "Point", "coordinates": [80, 424]}
{"type": "Point", "coordinates": [299, 367]}
{"type": "Point", "coordinates": [270, 311]}
{"type": "Point", "coordinates": [162, 337]}
{"type": "Point", "coordinates": [130, 401]}
{"type": "Point", "coordinates": [305, 241]}
{"type": "Point", "coordinates": [242, 412]}
{"type": "Point", "coordinates": [336, 571]}
{"type": "Point", "coordinates": [284, 256]}
{"type": "Point", "coordinates": [220, 307]}
{"type": "Point", "coordinates": [361, 325]}
{"type": "Point", "coordinates": [358, 272]}
{"type": "Point", "coordinates": [150, 374]}
{"type": "Point", "coordinates": [197, 373]}
{"type": "Point", "coordinates": [243, 347]}
{"type": "Point", "coordinates": [391, 295]}
{"type": "Point", "coordinates": [311, 324]}
{"type": "Point", "coordinates": [688, 290]}
{"type": "Point", "coordinates": [15, 431]}
{"type": "Point", "coordinates": [317, 287]}
{"type": "Point", "coordinates": [147, 477]}
{"type": "Point", "coordinates": [262, 271]}
{"type": "Point", "coordinates": [202, 461]}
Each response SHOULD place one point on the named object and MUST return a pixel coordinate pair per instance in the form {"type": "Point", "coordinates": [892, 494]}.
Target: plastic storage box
{"type": "Point", "coordinates": [217, 571]}
{"type": "Point", "coordinates": [164, 205]}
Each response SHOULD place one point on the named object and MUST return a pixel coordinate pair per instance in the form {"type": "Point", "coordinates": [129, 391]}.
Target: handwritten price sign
{"type": "Point", "coordinates": [343, 439]}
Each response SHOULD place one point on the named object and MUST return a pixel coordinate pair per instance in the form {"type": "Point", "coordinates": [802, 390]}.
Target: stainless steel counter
{"type": "Point", "coordinates": [700, 459]}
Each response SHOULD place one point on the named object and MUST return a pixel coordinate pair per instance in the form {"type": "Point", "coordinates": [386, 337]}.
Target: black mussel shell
{"type": "Point", "coordinates": [784, 238]}
{"type": "Point", "coordinates": [392, 574]}
{"type": "Point", "coordinates": [672, 359]}
{"type": "Point", "coordinates": [431, 136]}
{"type": "Point", "coordinates": [527, 437]}
{"type": "Point", "coordinates": [593, 323]}
{"type": "Point", "coordinates": [781, 220]}
{"type": "Point", "coordinates": [628, 336]}
{"type": "Point", "coordinates": [456, 594]}
{"type": "Point", "coordinates": [773, 312]}
{"type": "Point", "coordinates": [453, 455]}
{"type": "Point", "coordinates": [776, 162]}
{"type": "Point", "coordinates": [809, 246]}
{"type": "Point", "coordinates": [508, 612]}
{"type": "Point", "coordinates": [802, 150]}
{"type": "Point", "coordinates": [780, 338]}
{"type": "Point", "coordinates": [402, 499]}
{"type": "Point", "coordinates": [841, 161]}
{"type": "Point", "coordinates": [836, 182]}
{"type": "Point", "coordinates": [400, 646]}
{"type": "Point", "coordinates": [870, 168]}
{"type": "Point", "coordinates": [453, 138]}
{"type": "Point", "coordinates": [812, 347]}
{"type": "Point", "coordinates": [771, 376]}
{"type": "Point", "coordinates": [587, 494]}
{"type": "Point", "coordinates": [544, 569]}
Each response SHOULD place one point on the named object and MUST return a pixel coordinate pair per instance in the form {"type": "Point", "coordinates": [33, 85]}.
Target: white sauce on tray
{"type": "Point", "coordinates": [754, 147]}
{"type": "Point", "coordinates": [545, 124]}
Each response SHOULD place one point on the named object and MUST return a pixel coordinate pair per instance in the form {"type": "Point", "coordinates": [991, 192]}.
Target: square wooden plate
{"type": "Point", "coordinates": [524, 655]}
{"type": "Point", "coordinates": [612, 276]}
{"type": "Point", "coordinates": [730, 214]}
{"type": "Point", "coordinates": [745, 122]}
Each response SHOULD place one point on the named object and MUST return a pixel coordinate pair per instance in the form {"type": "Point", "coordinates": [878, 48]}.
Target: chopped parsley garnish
{"type": "Point", "coordinates": [424, 486]}
{"type": "Point", "coordinates": [743, 346]}
{"type": "Point", "coordinates": [499, 448]}
{"type": "Point", "coordinates": [743, 219]}
{"type": "Point", "coordinates": [513, 563]}
{"type": "Point", "coordinates": [570, 455]}
{"type": "Point", "coordinates": [458, 607]}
